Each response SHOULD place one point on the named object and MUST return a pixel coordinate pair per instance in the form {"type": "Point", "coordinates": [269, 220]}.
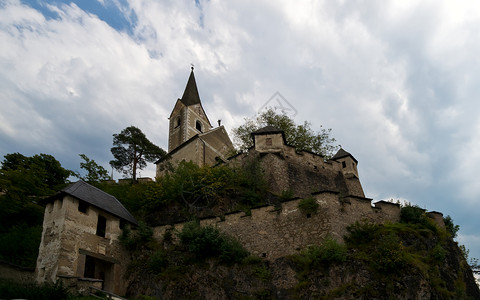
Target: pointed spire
{"type": "Point", "coordinates": [190, 95]}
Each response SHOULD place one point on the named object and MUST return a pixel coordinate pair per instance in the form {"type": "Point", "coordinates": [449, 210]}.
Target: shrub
{"type": "Point", "coordinates": [389, 256]}
{"type": "Point", "coordinates": [330, 251]}
{"type": "Point", "coordinates": [204, 242]}
{"type": "Point", "coordinates": [308, 205]}
{"type": "Point", "coordinates": [451, 228]}
{"type": "Point", "coordinates": [138, 239]}
{"type": "Point", "coordinates": [157, 261]}
{"type": "Point", "coordinates": [412, 214]}
{"type": "Point", "coordinates": [361, 233]}
{"type": "Point", "coordinates": [13, 290]}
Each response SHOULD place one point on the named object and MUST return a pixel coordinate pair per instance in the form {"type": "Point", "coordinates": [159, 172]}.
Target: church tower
{"type": "Point", "coordinates": [188, 117]}
{"type": "Point", "coordinates": [191, 136]}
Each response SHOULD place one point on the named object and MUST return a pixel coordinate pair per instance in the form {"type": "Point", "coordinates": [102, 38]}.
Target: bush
{"type": "Point", "coordinates": [330, 251]}
{"type": "Point", "coordinates": [13, 290]}
{"type": "Point", "coordinates": [389, 256]}
{"type": "Point", "coordinates": [308, 205]}
{"type": "Point", "coordinates": [412, 214]}
{"type": "Point", "coordinates": [361, 233]}
{"type": "Point", "coordinates": [157, 262]}
{"type": "Point", "coordinates": [138, 239]}
{"type": "Point", "coordinates": [204, 242]}
{"type": "Point", "coordinates": [19, 245]}
{"type": "Point", "coordinates": [451, 228]}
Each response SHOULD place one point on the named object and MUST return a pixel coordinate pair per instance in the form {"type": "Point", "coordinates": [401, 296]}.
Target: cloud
{"type": "Point", "coordinates": [397, 81]}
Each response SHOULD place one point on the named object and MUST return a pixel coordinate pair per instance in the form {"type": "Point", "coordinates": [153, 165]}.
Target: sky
{"type": "Point", "coordinates": [398, 82]}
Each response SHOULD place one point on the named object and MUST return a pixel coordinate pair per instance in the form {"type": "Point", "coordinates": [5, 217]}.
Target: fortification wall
{"type": "Point", "coordinates": [272, 233]}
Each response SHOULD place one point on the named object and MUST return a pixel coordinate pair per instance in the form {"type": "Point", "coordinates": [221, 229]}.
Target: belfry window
{"type": "Point", "coordinates": [177, 122]}
{"type": "Point", "coordinates": [198, 126]}
{"type": "Point", "coordinates": [101, 226]}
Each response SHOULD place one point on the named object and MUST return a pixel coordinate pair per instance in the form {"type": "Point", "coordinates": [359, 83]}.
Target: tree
{"type": "Point", "coordinates": [132, 150]}
{"type": "Point", "coordinates": [23, 181]}
{"type": "Point", "coordinates": [302, 136]}
{"type": "Point", "coordinates": [95, 173]}
{"type": "Point", "coordinates": [39, 175]}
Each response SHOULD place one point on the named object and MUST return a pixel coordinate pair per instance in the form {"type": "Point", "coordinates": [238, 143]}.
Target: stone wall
{"type": "Point", "coordinates": [275, 232]}
{"type": "Point", "coordinates": [16, 273]}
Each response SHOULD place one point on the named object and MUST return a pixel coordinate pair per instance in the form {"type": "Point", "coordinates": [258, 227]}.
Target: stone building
{"type": "Point", "coordinates": [80, 239]}
{"type": "Point", "coordinates": [191, 136]}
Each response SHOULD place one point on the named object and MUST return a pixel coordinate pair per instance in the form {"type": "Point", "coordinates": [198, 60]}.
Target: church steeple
{"type": "Point", "coordinates": [190, 95]}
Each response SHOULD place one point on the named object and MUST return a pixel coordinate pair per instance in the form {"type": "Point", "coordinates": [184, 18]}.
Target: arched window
{"type": "Point", "coordinates": [177, 122]}
{"type": "Point", "coordinates": [198, 125]}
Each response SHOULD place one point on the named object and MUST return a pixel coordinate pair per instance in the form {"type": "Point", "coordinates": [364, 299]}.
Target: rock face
{"type": "Point", "coordinates": [285, 279]}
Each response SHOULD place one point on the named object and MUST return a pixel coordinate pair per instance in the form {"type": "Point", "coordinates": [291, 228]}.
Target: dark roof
{"type": "Point", "coordinates": [96, 197]}
{"type": "Point", "coordinates": [190, 95]}
{"type": "Point", "coordinates": [267, 130]}
{"type": "Point", "coordinates": [341, 154]}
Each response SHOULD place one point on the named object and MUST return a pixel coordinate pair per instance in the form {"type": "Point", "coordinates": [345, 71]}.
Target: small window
{"type": "Point", "coordinates": [82, 207]}
{"type": "Point", "coordinates": [177, 122]}
{"type": "Point", "coordinates": [198, 125]}
{"type": "Point", "coordinates": [122, 224]}
{"type": "Point", "coordinates": [268, 141]}
{"type": "Point", "coordinates": [101, 226]}
{"type": "Point", "coordinates": [344, 165]}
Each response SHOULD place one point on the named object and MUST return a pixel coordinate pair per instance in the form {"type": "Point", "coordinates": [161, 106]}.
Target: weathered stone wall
{"type": "Point", "coordinates": [69, 236]}
{"type": "Point", "coordinates": [302, 173]}
{"type": "Point", "coordinates": [273, 233]}
{"type": "Point", "coordinates": [16, 273]}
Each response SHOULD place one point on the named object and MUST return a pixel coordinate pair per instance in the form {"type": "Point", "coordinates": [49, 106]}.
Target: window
{"type": "Point", "coordinates": [268, 141]}
{"type": "Point", "coordinates": [344, 165]}
{"type": "Point", "coordinates": [198, 125]}
{"type": "Point", "coordinates": [177, 122]}
{"type": "Point", "coordinates": [82, 206]}
{"type": "Point", "coordinates": [101, 226]}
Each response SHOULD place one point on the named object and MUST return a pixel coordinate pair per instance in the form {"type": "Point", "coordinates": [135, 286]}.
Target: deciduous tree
{"type": "Point", "coordinates": [132, 150]}
{"type": "Point", "coordinates": [302, 136]}
{"type": "Point", "coordinates": [95, 172]}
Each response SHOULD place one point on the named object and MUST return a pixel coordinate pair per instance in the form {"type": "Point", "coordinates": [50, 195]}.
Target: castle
{"type": "Point", "coordinates": [82, 224]}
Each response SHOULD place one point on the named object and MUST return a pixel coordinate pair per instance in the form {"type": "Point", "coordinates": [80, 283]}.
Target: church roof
{"type": "Point", "coordinates": [190, 95]}
{"type": "Point", "coordinates": [341, 154]}
{"type": "Point", "coordinates": [96, 197]}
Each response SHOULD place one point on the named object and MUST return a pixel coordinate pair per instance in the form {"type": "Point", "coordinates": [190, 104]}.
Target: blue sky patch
{"type": "Point", "coordinates": [118, 15]}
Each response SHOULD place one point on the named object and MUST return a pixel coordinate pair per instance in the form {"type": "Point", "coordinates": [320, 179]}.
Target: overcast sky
{"type": "Point", "coordinates": [397, 81]}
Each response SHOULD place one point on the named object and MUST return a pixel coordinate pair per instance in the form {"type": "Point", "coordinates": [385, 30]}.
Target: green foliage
{"type": "Point", "coordinates": [39, 175]}
{"type": "Point", "coordinates": [205, 242]}
{"type": "Point", "coordinates": [138, 239]}
{"type": "Point", "coordinates": [361, 233]}
{"type": "Point", "coordinates": [412, 214]}
{"type": "Point", "coordinates": [389, 255]}
{"type": "Point", "coordinates": [13, 290]}
{"type": "Point", "coordinates": [302, 136]}
{"type": "Point", "coordinates": [95, 172]}
{"type": "Point", "coordinates": [24, 181]}
{"type": "Point", "coordinates": [157, 262]}
{"type": "Point", "coordinates": [308, 205]}
{"type": "Point", "coordinates": [438, 254]}
{"type": "Point", "coordinates": [330, 251]}
{"type": "Point", "coordinates": [262, 272]}
{"type": "Point", "coordinates": [451, 228]}
{"type": "Point", "coordinates": [132, 150]}
{"type": "Point", "coordinates": [19, 245]}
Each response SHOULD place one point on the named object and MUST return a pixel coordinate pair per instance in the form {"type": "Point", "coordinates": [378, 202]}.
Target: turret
{"type": "Point", "coordinates": [347, 162]}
